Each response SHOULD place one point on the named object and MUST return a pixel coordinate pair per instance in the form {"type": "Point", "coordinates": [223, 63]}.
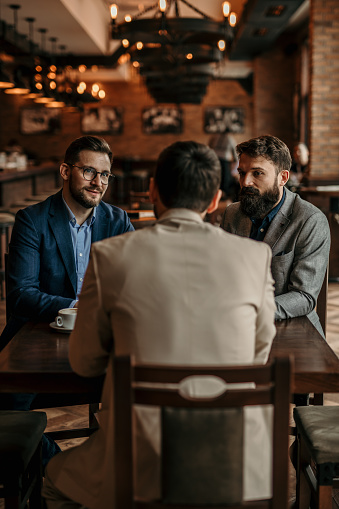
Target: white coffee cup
{"type": "Point", "coordinates": [66, 318]}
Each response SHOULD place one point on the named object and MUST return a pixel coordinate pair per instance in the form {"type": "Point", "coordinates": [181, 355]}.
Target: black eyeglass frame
{"type": "Point", "coordinates": [84, 168]}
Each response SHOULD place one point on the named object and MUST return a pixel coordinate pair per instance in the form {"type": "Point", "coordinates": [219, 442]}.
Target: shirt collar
{"type": "Point", "coordinates": [89, 221]}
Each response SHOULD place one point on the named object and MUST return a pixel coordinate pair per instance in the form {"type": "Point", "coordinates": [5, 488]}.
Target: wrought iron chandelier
{"type": "Point", "coordinates": [174, 54]}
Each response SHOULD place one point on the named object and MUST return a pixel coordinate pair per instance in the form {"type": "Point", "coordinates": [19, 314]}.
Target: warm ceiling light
{"type": "Point", "coordinates": [136, 64]}
{"type": "Point", "coordinates": [222, 45]}
{"type": "Point", "coordinates": [80, 90]}
{"type": "Point", "coordinates": [94, 68]}
{"type": "Point", "coordinates": [51, 75]}
{"type": "Point", "coordinates": [162, 5]}
{"type": "Point", "coordinates": [189, 56]}
{"type": "Point", "coordinates": [82, 85]}
{"type": "Point", "coordinates": [226, 9]}
{"type": "Point", "coordinates": [55, 104]}
{"type": "Point", "coordinates": [275, 11]}
{"type": "Point", "coordinates": [140, 45]}
{"type": "Point", "coordinates": [114, 11]}
{"type": "Point", "coordinates": [38, 68]}
{"type": "Point", "coordinates": [233, 19]}
{"type": "Point", "coordinates": [95, 88]}
{"type": "Point", "coordinates": [128, 18]}
{"type": "Point", "coordinates": [53, 68]}
{"type": "Point", "coordinates": [38, 86]}
{"type": "Point", "coordinates": [82, 68]}
{"type": "Point", "coordinates": [125, 43]}
{"type": "Point", "coordinates": [5, 81]}
{"type": "Point", "coordinates": [52, 85]}
{"type": "Point", "coordinates": [43, 100]}
{"type": "Point", "coordinates": [17, 91]}
{"type": "Point", "coordinates": [19, 88]}
{"type": "Point", "coordinates": [260, 32]}
{"type": "Point", "coordinates": [102, 94]}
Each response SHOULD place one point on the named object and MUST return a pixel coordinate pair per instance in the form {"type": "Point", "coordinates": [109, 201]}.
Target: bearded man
{"type": "Point", "coordinates": [297, 231]}
{"type": "Point", "coordinates": [50, 247]}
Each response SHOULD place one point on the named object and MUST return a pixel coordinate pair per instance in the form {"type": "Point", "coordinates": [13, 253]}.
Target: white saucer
{"type": "Point", "coordinates": [60, 329]}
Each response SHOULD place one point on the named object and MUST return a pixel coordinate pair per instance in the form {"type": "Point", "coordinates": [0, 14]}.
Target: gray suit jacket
{"type": "Point", "coordinates": [299, 237]}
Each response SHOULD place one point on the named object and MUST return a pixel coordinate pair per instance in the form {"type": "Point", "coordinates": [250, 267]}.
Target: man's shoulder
{"type": "Point", "coordinates": [299, 206]}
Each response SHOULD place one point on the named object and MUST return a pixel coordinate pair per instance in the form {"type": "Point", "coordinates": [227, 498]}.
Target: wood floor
{"type": "Point", "coordinates": [77, 416]}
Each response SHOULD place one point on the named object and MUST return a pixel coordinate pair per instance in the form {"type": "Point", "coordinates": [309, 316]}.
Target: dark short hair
{"type": "Point", "coordinates": [187, 175]}
{"type": "Point", "coordinates": [92, 143]}
{"type": "Point", "coordinates": [270, 148]}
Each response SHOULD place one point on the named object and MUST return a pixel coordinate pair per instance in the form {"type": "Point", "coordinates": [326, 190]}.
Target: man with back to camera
{"type": "Point", "coordinates": [51, 242]}
{"type": "Point", "coordinates": [181, 291]}
{"type": "Point", "coordinates": [297, 231]}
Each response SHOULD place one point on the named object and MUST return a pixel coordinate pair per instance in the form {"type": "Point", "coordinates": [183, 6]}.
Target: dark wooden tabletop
{"type": "Point", "coordinates": [36, 360]}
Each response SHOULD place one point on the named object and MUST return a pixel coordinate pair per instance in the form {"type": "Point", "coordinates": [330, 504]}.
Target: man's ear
{"type": "Point", "coordinates": [153, 191]}
{"type": "Point", "coordinates": [284, 176]}
{"type": "Point", "coordinates": [215, 202]}
{"type": "Point", "coordinates": [64, 171]}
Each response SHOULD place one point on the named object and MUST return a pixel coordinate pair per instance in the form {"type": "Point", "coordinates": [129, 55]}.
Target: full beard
{"type": "Point", "coordinates": [256, 205]}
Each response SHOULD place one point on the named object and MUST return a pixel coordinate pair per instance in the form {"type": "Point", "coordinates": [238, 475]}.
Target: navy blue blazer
{"type": "Point", "coordinates": [41, 265]}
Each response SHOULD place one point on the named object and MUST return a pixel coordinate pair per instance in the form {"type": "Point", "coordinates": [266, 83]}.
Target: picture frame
{"type": "Point", "coordinates": [102, 120]}
{"type": "Point", "coordinates": [40, 121]}
{"type": "Point", "coordinates": [219, 119]}
{"type": "Point", "coordinates": [162, 120]}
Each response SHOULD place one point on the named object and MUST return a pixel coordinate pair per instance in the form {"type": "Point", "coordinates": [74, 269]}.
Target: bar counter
{"type": "Point", "coordinates": [17, 185]}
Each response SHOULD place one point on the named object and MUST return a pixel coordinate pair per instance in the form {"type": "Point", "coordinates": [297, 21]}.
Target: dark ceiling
{"type": "Point", "coordinates": [259, 28]}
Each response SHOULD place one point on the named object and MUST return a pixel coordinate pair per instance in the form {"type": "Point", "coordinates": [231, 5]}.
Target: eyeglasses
{"type": "Point", "coordinates": [91, 173]}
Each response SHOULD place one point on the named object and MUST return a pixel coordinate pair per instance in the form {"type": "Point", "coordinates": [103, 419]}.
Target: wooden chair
{"type": "Point", "coordinates": [132, 386]}
{"type": "Point", "coordinates": [20, 458]}
{"type": "Point", "coordinates": [318, 455]}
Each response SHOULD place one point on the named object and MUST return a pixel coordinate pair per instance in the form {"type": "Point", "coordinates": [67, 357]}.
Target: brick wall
{"type": "Point", "coordinates": [324, 88]}
{"type": "Point", "coordinates": [132, 97]}
{"type": "Point", "coordinates": [274, 85]}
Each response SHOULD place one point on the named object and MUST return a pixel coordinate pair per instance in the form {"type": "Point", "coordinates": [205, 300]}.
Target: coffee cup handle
{"type": "Point", "coordinates": [59, 321]}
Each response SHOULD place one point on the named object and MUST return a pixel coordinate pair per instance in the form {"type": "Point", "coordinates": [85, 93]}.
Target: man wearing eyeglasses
{"type": "Point", "coordinates": [51, 241]}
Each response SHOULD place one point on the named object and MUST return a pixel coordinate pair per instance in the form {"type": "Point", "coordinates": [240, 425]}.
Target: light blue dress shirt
{"type": "Point", "coordinates": [81, 239]}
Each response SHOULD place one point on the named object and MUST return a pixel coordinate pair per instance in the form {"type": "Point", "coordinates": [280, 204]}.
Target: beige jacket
{"type": "Point", "coordinates": [182, 291]}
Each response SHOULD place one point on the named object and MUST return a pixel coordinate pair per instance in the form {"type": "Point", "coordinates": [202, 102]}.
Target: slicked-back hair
{"type": "Point", "coordinates": [92, 143]}
{"type": "Point", "coordinates": [270, 148]}
{"type": "Point", "coordinates": [187, 175]}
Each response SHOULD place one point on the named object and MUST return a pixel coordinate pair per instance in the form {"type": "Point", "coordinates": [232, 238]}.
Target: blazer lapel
{"type": "Point", "coordinates": [101, 226]}
{"type": "Point", "coordinates": [59, 223]}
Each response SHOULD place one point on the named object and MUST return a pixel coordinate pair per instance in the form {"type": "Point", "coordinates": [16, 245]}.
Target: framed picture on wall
{"type": "Point", "coordinates": [160, 120]}
{"type": "Point", "coordinates": [40, 121]}
{"type": "Point", "coordinates": [218, 119]}
{"type": "Point", "coordinates": [102, 120]}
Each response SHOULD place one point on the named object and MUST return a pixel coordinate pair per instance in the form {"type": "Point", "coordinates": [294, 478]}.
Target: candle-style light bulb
{"type": "Point", "coordinates": [162, 5]}
{"type": "Point", "coordinates": [226, 9]}
{"type": "Point", "coordinates": [114, 11]}
{"type": "Point", "coordinates": [233, 19]}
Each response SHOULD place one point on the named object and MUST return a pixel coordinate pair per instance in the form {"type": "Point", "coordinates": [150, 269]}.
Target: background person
{"type": "Point", "coordinates": [181, 291]}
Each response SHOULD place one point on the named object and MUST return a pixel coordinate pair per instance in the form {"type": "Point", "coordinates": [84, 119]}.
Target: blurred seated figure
{"type": "Point", "coordinates": [224, 145]}
{"type": "Point", "coordinates": [299, 169]}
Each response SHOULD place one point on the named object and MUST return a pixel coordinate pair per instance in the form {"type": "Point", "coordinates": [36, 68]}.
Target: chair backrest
{"type": "Point", "coordinates": [322, 302]}
{"type": "Point", "coordinates": [262, 385]}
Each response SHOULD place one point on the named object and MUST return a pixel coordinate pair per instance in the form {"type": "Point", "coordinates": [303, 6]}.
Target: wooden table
{"type": "Point", "coordinates": [36, 360]}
